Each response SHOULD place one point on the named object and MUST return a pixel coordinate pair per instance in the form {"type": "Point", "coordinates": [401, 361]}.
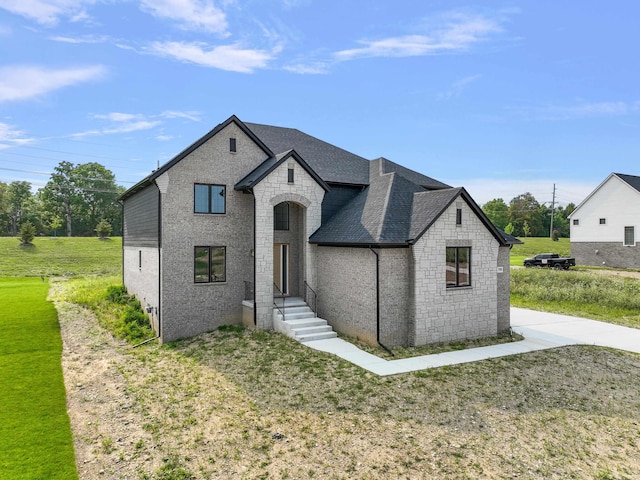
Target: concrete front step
{"type": "Point", "coordinates": [300, 321]}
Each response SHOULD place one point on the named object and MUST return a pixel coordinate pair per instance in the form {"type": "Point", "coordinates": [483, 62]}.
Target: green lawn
{"type": "Point", "coordinates": [36, 441]}
{"type": "Point", "coordinates": [534, 245]}
{"type": "Point", "coordinates": [60, 256]}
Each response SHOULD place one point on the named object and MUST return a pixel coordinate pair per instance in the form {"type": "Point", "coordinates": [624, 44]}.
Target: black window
{"type": "Point", "coordinates": [603, 221]}
{"type": "Point", "coordinates": [458, 267]}
{"type": "Point", "coordinates": [629, 236]}
{"type": "Point", "coordinates": [281, 216]}
{"type": "Point", "coordinates": [458, 216]}
{"type": "Point", "coordinates": [210, 264]}
{"type": "Point", "coordinates": [576, 221]}
{"type": "Point", "coordinates": [140, 259]}
{"type": "Point", "coordinates": [290, 175]}
{"type": "Point", "coordinates": [209, 198]}
{"type": "Point", "coordinates": [232, 145]}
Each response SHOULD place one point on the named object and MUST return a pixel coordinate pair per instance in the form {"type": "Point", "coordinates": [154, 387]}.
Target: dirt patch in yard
{"type": "Point", "coordinates": [239, 404]}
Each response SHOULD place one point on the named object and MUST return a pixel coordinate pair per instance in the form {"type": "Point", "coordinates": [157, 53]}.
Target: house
{"type": "Point", "coordinates": [253, 223]}
{"type": "Point", "coordinates": [604, 225]}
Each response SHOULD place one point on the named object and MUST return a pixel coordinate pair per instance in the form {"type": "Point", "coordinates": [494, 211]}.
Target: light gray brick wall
{"type": "Point", "coordinates": [271, 191]}
{"type": "Point", "coordinates": [504, 290]}
{"type": "Point", "coordinates": [447, 314]}
{"type": "Point", "coordinates": [609, 254]}
{"type": "Point", "coordinates": [141, 275]}
{"type": "Point", "coordinates": [347, 291]}
{"type": "Point", "coordinates": [189, 308]}
{"type": "Point", "coordinates": [395, 296]}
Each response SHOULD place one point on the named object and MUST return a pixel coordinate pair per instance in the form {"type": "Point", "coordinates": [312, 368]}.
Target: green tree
{"type": "Point", "coordinates": [19, 195]}
{"type": "Point", "coordinates": [526, 229]}
{"type": "Point", "coordinates": [497, 211]}
{"type": "Point", "coordinates": [82, 195]}
{"type": "Point", "coordinates": [4, 209]}
{"type": "Point", "coordinates": [103, 229]}
{"type": "Point", "coordinates": [60, 194]}
{"type": "Point", "coordinates": [509, 229]}
{"type": "Point", "coordinates": [54, 223]}
{"type": "Point", "coordinates": [27, 233]}
{"type": "Point", "coordinates": [525, 208]}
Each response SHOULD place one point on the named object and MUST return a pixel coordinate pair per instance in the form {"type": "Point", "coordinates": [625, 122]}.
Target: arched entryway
{"type": "Point", "coordinates": [288, 249]}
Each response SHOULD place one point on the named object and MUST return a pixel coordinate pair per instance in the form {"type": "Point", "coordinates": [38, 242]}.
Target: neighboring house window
{"type": "Point", "coordinates": [232, 145]}
{"type": "Point", "coordinates": [209, 198]}
{"type": "Point", "coordinates": [210, 264]}
{"type": "Point", "coordinates": [290, 175]}
{"type": "Point", "coordinates": [603, 221]}
{"type": "Point", "coordinates": [458, 216]}
{"type": "Point", "coordinates": [629, 236]}
{"type": "Point", "coordinates": [576, 221]}
{"type": "Point", "coordinates": [281, 216]}
{"type": "Point", "coordinates": [458, 267]}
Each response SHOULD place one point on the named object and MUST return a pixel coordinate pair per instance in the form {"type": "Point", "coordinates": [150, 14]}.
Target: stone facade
{"type": "Point", "coordinates": [272, 190]}
{"type": "Point", "coordinates": [141, 275]}
{"type": "Point", "coordinates": [190, 308]}
{"type": "Point", "coordinates": [609, 254]}
{"type": "Point", "coordinates": [444, 314]}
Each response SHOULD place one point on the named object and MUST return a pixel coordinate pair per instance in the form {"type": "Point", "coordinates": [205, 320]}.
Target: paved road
{"type": "Point", "coordinates": [540, 331]}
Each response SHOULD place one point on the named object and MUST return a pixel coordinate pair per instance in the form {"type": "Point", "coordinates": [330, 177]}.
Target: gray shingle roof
{"type": "Point", "coordinates": [632, 180]}
{"type": "Point", "coordinates": [387, 166]}
{"type": "Point", "coordinates": [331, 163]}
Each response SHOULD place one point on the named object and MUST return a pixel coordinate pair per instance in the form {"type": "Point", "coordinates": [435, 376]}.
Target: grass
{"type": "Point", "coordinates": [36, 440]}
{"type": "Point", "coordinates": [579, 293]}
{"type": "Point", "coordinates": [534, 245]}
{"type": "Point", "coordinates": [60, 256]}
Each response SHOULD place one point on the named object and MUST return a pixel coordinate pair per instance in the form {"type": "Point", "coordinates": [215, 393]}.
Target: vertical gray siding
{"type": "Point", "coordinates": [140, 214]}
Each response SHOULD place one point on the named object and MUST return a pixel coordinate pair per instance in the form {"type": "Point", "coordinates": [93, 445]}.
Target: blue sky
{"type": "Point", "coordinates": [499, 97]}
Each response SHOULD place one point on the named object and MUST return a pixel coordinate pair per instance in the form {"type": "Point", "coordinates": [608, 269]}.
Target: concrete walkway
{"type": "Point", "coordinates": [540, 331]}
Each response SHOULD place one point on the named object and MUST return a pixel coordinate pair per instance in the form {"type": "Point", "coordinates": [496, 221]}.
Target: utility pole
{"type": "Point", "coordinates": [553, 210]}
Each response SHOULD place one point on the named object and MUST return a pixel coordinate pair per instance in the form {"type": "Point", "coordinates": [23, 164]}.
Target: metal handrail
{"type": "Point", "coordinates": [315, 297]}
{"type": "Point", "coordinates": [283, 302]}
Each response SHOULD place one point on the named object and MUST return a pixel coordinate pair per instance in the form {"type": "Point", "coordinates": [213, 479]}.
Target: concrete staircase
{"type": "Point", "coordinates": [300, 322]}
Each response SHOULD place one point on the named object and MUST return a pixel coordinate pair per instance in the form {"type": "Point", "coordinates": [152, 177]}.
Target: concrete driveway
{"type": "Point", "coordinates": [540, 331]}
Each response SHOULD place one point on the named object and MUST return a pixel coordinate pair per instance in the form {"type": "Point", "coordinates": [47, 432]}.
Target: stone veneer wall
{"type": "Point", "coordinates": [347, 290]}
{"type": "Point", "coordinates": [395, 296]}
{"type": "Point", "coordinates": [446, 314]}
{"type": "Point", "coordinates": [504, 289]}
{"type": "Point", "coordinates": [610, 254]}
{"type": "Point", "coordinates": [189, 308]}
{"type": "Point", "coordinates": [271, 191]}
{"type": "Point", "coordinates": [143, 280]}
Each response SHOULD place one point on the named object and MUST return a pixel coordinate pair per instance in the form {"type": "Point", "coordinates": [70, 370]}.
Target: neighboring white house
{"type": "Point", "coordinates": [604, 227]}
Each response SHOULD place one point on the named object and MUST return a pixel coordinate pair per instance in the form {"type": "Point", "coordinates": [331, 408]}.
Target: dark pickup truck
{"type": "Point", "coordinates": [550, 260]}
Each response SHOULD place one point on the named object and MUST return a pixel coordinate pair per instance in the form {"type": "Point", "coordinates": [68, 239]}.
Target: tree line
{"type": "Point", "coordinates": [526, 217]}
{"type": "Point", "coordinates": [75, 200]}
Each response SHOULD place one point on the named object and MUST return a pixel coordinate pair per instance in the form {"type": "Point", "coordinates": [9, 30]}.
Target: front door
{"type": "Point", "coordinates": [281, 268]}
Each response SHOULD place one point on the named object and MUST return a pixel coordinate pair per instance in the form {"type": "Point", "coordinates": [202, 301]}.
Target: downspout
{"type": "Point", "coordinates": [378, 300]}
{"type": "Point", "coordinates": [255, 306]}
{"type": "Point", "coordinates": [159, 312]}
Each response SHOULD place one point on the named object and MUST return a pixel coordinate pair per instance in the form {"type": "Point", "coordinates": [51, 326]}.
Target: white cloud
{"type": "Point", "coordinates": [80, 40]}
{"type": "Point", "coordinates": [225, 57]}
{"type": "Point", "coordinates": [191, 14]}
{"type": "Point", "coordinates": [311, 68]}
{"type": "Point", "coordinates": [10, 137]}
{"type": "Point", "coordinates": [454, 32]}
{"type": "Point", "coordinates": [47, 12]}
{"type": "Point", "coordinates": [458, 87]}
{"type": "Point", "coordinates": [120, 122]}
{"type": "Point", "coordinates": [20, 82]}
